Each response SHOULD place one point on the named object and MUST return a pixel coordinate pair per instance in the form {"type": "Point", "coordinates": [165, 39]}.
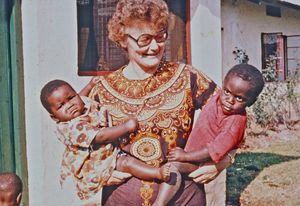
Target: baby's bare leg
{"type": "Point", "coordinates": [141, 170]}
{"type": "Point", "coordinates": [167, 190]}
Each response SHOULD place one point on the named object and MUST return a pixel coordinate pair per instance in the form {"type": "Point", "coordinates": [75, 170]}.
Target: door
{"type": "Point", "coordinates": [12, 118]}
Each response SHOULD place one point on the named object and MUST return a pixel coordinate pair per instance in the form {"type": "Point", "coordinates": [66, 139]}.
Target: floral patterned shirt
{"type": "Point", "coordinates": [90, 168]}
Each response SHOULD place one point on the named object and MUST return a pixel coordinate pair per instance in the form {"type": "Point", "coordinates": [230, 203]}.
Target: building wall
{"type": "Point", "coordinates": [206, 37]}
{"type": "Point", "coordinates": [242, 25]}
{"type": "Point", "coordinates": [50, 52]}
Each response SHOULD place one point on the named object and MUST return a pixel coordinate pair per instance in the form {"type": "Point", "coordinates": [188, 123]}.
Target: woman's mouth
{"type": "Point", "coordinates": [151, 54]}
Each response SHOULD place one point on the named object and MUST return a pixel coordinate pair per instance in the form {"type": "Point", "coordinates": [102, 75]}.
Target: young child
{"type": "Point", "coordinates": [10, 189]}
{"type": "Point", "coordinates": [91, 152]}
{"type": "Point", "coordinates": [221, 124]}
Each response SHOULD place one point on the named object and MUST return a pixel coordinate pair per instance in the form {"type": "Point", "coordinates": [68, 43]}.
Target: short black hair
{"type": "Point", "coordinates": [251, 74]}
{"type": "Point", "coordinates": [10, 182]}
{"type": "Point", "coordinates": [49, 88]}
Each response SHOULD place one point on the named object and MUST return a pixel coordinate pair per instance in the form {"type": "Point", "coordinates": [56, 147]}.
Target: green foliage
{"type": "Point", "coordinates": [240, 56]}
{"type": "Point", "coordinates": [269, 72]}
{"type": "Point", "coordinates": [274, 104]}
{"type": "Point", "coordinates": [271, 106]}
{"type": "Point", "coordinates": [291, 83]}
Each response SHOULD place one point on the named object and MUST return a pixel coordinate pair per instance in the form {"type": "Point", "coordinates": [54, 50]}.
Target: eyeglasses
{"type": "Point", "coordinates": [146, 39]}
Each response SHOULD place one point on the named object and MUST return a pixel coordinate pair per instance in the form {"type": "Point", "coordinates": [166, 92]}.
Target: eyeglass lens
{"type": "Point", "coordinates": [145, 39]}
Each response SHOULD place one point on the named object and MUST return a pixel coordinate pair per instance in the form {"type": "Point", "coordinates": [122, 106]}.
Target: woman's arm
{"type": "Point", "coordinates": [86, 90]}
{"type": "Point", "coordinates": [209, 171]}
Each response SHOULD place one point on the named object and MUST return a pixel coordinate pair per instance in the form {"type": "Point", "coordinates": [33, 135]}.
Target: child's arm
{"type": "Point", "coordinates": [110, 134]}
{"type": "Point", "coordinates": [178, 154]}
{"type": "Point", "coordinates": [86, 90]}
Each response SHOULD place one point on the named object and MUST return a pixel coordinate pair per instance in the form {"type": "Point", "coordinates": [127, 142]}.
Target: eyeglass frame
{"type": "Point", "coordinates": [151, 36]}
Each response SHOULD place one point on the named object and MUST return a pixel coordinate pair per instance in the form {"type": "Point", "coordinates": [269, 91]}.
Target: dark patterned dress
{"type": "Point", "coordinates": [164, 105]}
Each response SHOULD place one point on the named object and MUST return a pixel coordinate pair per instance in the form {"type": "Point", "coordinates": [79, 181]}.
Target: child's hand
{"type": "Point", "coordinates": [176, 154]}
{"type": "Point", "coordinates": [132, 124]}
{"type": "Point", "coordinates": [94, 80]}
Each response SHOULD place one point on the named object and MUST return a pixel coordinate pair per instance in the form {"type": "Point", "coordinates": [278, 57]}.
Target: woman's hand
{"type": "Point", "coordinates": [117, 178]}
{"type": "Point", "coordinates": [176, 154]}
{"type": "Point", "coordinates": [205, 173]}
{"type": "Point", "coordinates": [209, 171]}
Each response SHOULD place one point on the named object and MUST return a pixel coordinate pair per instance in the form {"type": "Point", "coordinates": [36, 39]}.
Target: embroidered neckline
{"type": "Point", "coordinates": [123, 88]}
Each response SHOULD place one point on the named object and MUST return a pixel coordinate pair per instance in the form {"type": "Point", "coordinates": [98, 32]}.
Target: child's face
{"type": "Point", "coordinates": [235, 95]}
{"type": "Point", "coordinates": [65, 104]}
{"type": "Point", "coordinates": [8, 199]}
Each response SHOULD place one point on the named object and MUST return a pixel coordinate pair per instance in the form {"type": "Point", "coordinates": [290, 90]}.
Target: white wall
{"type": "Point", "coordinates": [206, 37]}
{"type": "Point", "coordinates": [243, 23]}
{"type": "Point", "coordinates": [50, 51]}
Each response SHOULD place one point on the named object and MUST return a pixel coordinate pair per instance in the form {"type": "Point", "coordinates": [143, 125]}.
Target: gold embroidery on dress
{"type": "Point", "coordinates": [163, 105]}
{"type": "Point", "coordinates": [146, 192]}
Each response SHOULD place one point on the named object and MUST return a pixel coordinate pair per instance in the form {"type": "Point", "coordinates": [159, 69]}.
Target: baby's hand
{"type": "Point", "coordinates": [176, 154]}
{"type": "Point", "coordinates": [94, 80]}
{"type": "Point", "coordinates": [132, 124]}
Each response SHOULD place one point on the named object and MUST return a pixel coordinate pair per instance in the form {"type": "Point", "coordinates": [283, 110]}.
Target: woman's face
{"type": "Point", "coordinates": [147, 57]}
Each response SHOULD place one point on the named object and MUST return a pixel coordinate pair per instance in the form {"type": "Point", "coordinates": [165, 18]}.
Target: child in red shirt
{"type": "Point", "coordinates": [220, 126]}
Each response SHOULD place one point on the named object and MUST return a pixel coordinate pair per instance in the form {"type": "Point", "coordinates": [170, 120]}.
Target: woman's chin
{"type": "Point", "coordinates": [150, 64]}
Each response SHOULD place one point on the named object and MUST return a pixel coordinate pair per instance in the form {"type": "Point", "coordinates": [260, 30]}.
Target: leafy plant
{"type": "Point", "coordinates": [269, 72]}
{"type": "Point", "coordinates": [273, 106]}
{"type": "Point", "coordinates": [270, 108]}
{"type": "Point", "coordinates": [240, 56]}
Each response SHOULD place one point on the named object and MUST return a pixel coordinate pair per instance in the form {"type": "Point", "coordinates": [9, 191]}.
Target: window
{"type": "Point", "coordinates": [283, 52]}
{"type": "Point", "coordinates": [98, 55]}
{"type": "Point", "coordinates": [273, 11]}
{"type": "Point", "coordinates": [293, 56]}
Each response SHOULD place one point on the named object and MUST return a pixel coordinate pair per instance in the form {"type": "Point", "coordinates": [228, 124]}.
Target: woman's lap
{"type": "Point", "coordinates": [131, 192]}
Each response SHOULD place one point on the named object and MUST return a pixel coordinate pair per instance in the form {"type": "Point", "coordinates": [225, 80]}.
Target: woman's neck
{"type": "Point", "coordinates": [135, 72]}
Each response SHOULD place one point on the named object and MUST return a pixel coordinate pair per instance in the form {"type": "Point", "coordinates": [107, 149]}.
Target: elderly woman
{"type": "Point", "coordinates": [162, 95]}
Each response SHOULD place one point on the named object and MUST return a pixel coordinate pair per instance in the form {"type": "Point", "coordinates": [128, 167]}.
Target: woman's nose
{"type": "Point", "coordinates": [153, 45]}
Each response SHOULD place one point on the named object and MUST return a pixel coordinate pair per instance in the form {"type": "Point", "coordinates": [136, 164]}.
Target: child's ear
{"type": "Point", "coordinates": [19, 198]}
{"type": "Point", "coordinates": [54, 118]}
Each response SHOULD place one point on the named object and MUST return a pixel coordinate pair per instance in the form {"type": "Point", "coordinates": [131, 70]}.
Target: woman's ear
{"type": "Point", "coordinates": [54, 118]}
{"type": "Point", "coordinates": [123, 44]}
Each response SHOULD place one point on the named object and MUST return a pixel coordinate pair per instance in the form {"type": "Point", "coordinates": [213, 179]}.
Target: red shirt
{"type": "Point", "coordinates": [217, 132]}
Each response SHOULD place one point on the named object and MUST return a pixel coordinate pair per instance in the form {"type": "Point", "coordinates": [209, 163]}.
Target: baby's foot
{"type": "Point", "coordinates": [165, 172]}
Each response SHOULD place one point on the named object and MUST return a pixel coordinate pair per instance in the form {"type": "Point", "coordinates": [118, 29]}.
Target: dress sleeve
{"type": "Point", "coordinates": [230, 137]}
{"type": "Point", "coordinates": [202, 87]}
{"type": "Point", "coordinates": [77, 134]}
